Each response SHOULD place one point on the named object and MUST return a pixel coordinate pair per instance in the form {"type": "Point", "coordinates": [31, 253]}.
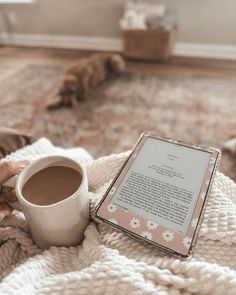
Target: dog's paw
{"type": "Point", "coordinates": [54, 103]}
{"type": "Point", "coordinates": [58, 102]}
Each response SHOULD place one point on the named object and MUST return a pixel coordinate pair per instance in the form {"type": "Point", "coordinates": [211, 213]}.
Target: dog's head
{"type": "Point", "coordinates": [116, 64]}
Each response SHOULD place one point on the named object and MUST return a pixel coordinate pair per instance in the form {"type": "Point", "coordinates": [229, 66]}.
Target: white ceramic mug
{"type": "Point", "coordinates": [59, 224]}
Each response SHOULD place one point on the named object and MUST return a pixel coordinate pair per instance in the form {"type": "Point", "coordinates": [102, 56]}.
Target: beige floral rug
{"type": "Point", "coordinates": [195, 109]}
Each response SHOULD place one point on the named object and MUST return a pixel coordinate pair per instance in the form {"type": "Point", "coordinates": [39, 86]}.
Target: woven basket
{"type": "Point", "coordinates": [151, 44]}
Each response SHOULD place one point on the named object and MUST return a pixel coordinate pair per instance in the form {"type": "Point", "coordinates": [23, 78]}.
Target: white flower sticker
{"type": "Point", "coordinates": [112, 191]}
{"type": "Point", "coordinates": [146, 235]}
{"type": "Point", "coordinates": [134, 155]}
{"type": "Point", "coordinates": [112, 220]}
{"type": "Point", "coordinates": [168, 235]}
{"type": "Point", "coordinates": [134, 222]}
{"type": "Point", "coordinates": [173, 140]}
{"type": "Point", "coordinates": [202, 195]}
{"type": "Point", "coordinates": [212, 160]}
{"type": "Point", "coordinates": [211, 168]}
{"type": "Point", "coordinates": [111, 208]}
{"type": "Point", "coordinates": [194, 222]}
{"type": "Point", "coordinates": [187, 242]}
{"type": "Point", "coordinates": [151, 225]}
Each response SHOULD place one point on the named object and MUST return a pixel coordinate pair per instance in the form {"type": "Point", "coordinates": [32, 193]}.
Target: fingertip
{"type": "Point", "coordinates": [8, 169]}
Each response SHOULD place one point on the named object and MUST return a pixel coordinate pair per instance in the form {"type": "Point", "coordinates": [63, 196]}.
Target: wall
{"type": "Point", "coordinates": [202, 21]}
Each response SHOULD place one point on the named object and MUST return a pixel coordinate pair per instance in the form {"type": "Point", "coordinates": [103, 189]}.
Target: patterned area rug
{"type": "Point", "coordinates": [196, 109]}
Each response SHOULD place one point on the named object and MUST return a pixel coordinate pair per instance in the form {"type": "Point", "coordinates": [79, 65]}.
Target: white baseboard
{"type": "Point", "coordinates": [61, 41]}
{"type": "Point", "coordinates": [112, 44]}
{"type": "Point", "coordinates": [217, 51]}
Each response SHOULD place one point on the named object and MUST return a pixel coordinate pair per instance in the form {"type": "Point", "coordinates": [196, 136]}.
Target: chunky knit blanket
{"type": "Point", "coordinates": [110, 262]}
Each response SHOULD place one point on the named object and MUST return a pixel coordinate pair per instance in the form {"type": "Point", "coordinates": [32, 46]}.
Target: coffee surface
{"type": "Point", "coordinates": [51, 185]}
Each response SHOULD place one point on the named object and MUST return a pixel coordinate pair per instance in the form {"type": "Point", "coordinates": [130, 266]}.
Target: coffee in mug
{"type": "Point", "coordinates": [51, 185]}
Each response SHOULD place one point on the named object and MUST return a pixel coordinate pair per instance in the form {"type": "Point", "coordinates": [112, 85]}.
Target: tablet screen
{"type": "Point", "coordinates": [163, 183]}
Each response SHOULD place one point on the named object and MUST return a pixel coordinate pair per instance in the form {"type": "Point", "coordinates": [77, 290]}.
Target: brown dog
{"type": "Point", "coordinates": [84, 75]}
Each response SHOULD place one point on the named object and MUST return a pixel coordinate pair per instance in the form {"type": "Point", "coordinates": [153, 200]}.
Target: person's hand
{"type": "Point", "coordinates": [7, 195]}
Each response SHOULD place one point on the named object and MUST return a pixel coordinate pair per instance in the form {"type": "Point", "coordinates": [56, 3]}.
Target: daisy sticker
{"type": "Point", "coordinates": [194, 222]}
{"type": "Point", "coordinates": [111, 208]}
{"type": "Point", "coordinates": [173, 140]}
{"type": "Point", "coordinates": [168, 236]}
{"type": "Point", "coordinates": [146, 235]}
{"type": "Point", "coordinates": [212, 160]}
{"type": "Point", "coordinates": [151, 225]}
{"type": "Point", "coordinates": [187, 242]}
{"type": "Point", "coordinates": [202, 195]}
{"type": "Point", "coordinates": [112, 220]}
{"type": "Point", "coordinates": [211, 168]}
{"type": "Point", "coordinates": [134, 222]}
{"type": "Point", "coordinates": [112, 191]}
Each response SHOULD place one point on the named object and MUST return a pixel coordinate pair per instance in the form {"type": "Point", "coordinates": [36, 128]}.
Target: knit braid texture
{"type": "Point", "coordinates": [109, 261]}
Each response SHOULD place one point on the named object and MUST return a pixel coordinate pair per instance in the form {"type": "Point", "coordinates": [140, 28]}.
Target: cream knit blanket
{"type": "Point", "coordinates": [110, 262]}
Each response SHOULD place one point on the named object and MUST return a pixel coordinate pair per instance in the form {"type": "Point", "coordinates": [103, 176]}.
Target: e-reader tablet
{"type": "Point", "coordinates": [160, 193]}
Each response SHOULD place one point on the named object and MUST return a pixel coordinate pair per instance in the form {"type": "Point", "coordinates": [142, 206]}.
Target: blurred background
{"type": "Point", "coordinates": [180, 78]}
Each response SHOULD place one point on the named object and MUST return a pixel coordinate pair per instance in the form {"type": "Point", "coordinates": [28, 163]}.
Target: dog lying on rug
{"type": "Point", "coordinates": [84, 75]}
